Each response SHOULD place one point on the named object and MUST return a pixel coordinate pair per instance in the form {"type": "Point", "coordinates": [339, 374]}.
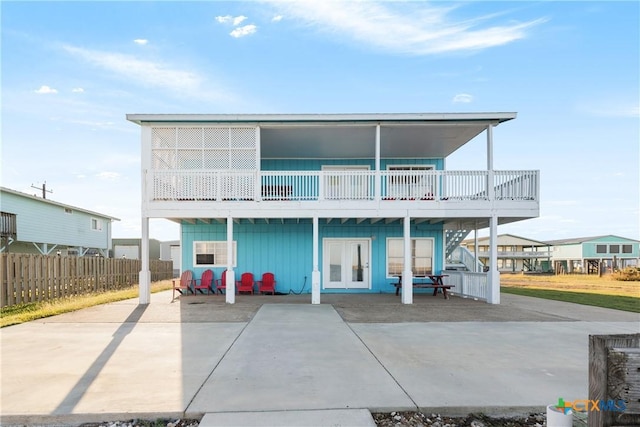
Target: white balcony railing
{"type": "Point", "coordinates": [342, 185]}
{"type": "Point", "coordinates": [469, 285]}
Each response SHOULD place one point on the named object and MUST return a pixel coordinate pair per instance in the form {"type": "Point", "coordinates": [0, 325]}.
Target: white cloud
{"type": "Point", "coordinates": [463, 98]}
{"type": "Point", "coordinates": [109, 176]}
{"type": "Point", "coordinates": [415, 28]}
{"type": "Point", "coordinates": [239, 20]}
{"type": "Point", "coordinates": [77, 90]}
{"type": "Point", "coordinates": [141, 71]}
{"type": "Point", "coordinates": [45, 90]}
{"type": "Point", "coordinates": [228, 19]}
{"type": "Point", "coordinates": [141, 41]}
{"type": "Point", "coordinates": [276, 18]}
{"type": "Point", "coordinates": [243, 31]}
{"type": "Point", "coordinates": [612, 109]}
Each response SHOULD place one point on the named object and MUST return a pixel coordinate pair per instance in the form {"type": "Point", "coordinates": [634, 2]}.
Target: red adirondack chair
{"type": "Point", "coordinates": [183, 285]}
{"type": "Point", "coordinates": [267, 284]}
{"type": "Point", "coordinates": [246, 283]}
{"type": "Point", "coordinates": [205, 283]}
{"type": "Point", "coordinates": [221, 283]}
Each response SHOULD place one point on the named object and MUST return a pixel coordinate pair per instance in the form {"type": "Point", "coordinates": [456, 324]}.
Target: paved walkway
{"type": "Point", "coordinates": [327, 364]}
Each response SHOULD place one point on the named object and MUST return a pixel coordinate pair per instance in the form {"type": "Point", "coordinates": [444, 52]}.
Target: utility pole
{"type": "Point", "coordinates": [44, 189]}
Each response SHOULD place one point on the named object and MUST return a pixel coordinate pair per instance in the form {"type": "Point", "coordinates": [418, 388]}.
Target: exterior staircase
{"type": "Point", "coordinates": [457, 257]}
{"type": "Point", "coordinates": [453, 238]}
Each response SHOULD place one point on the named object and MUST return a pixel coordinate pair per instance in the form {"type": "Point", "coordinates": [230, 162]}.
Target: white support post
{"type": "Point", "coordinates": [315, 274]}
{"type": "Point", "coordinates": [258, 167]}
{"type": "Point", "coordinates": [490, 179]}
{"type": "Point", "coordinates": [407, 274]}
{"type": "Point", "coordinates": [144, 285]}
{"type": "Point", "coordinates": [493, 295]}
{"type": "Point", "coordinates": [476, 262]}
{"type": "Point", "coordinates": [378, 178]}
{"type": "Point", "coordinates": [230, 278]}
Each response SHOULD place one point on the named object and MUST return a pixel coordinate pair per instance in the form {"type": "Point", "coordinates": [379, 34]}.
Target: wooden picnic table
{"type": "Point", "coordinates": [435, 282]}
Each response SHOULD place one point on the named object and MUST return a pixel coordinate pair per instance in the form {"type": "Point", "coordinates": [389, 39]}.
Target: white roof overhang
{"type": "Point", "coordinates": [435, 135]}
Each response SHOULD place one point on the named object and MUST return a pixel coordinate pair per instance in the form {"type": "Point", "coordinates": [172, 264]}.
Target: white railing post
{"type": "Point", "coordinates": [321, 179]}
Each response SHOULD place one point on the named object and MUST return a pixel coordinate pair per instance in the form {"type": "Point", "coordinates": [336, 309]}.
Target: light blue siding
{"type": "Point", "coordinates": [40, 221]}
{"type": "Point", "coordinates": [589, 248]}
{"type": "Point", "coordinates": [285, 249]}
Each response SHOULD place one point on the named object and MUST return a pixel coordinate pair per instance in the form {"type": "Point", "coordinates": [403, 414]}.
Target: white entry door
{"type": "Point", "coordinates": [346, 264]}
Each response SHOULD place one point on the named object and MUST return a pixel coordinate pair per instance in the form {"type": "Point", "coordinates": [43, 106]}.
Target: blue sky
{"type": "Point", "coordinates": [71, 71]}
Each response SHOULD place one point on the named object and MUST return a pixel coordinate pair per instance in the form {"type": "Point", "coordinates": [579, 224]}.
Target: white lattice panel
{"type": "Point", "coordinates": [189, 159]}
{"type": "Point", "coordinates": [242, 138]}
{"type": "Point", "coordinates": [215, 159]}
{"type": "Point", "coordinates": [242, 159]}
{"type": "Point", "coordinates": [163, 159]}
{"type": "Point", "coordinates": [163, 137]}
{"type": "Point", "coordinates": [215, 137]}
{"type": "Point", "coordinates": [189, 138]}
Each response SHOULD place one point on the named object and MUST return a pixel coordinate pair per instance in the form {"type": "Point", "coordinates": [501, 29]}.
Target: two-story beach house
{"type": "Point", "coordinates": [327, 202]}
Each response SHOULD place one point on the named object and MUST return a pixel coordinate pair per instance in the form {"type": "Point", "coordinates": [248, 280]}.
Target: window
{"type": "Point", "coordinates": [68, 211]}
{"type": "Point", "coordinates": [96, 224]}
{"type": "Point", "coordinates": [421, 256]}
{"type": "Point", "coordinates": [627, 249]}
{"type": "Point", "coordinates": [212, 254]}
{"type": "Point", "coordinates": [614, 249]}
{"type": "Point", "coordinates": [601, 249]}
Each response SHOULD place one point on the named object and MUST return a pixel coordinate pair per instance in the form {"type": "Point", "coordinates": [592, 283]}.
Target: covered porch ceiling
{"type": "Point", "coordinates": [402, 135]}
{"type": "Point", "coordinates": [359, 141]}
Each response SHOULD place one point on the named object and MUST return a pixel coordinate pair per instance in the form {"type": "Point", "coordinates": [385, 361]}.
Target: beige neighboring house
{"type": "Point", "coordinates": [515, 253]}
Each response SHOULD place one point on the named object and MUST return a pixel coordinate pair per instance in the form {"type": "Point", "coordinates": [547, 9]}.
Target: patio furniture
{"type": "Point", "coordinates": [435, 282]}
{"type": "Point", "coordinates": [221, 283]}
{"type": "Point", "coordinates": [183, 285]}
{"type": "Point", "coordinates": [205, 283]}
{"type": "Point", "coordinates": [246, 283]}
{"type": "Point", "coordinates": [267, 284]}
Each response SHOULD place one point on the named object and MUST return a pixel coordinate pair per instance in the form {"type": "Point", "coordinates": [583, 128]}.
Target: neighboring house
{"type": "Point", "coordinates": [32, 224]}
{"type": "Point", "coordinates": [515, 253]}
{"type": "Point", "coordinates": [327, 202]}
{"type": "Point", "coordinates": [170, 250]}
{"type": "Point", "coordinates": [131, 248]}
{"type": "Point", "coordinates": [593, 255]}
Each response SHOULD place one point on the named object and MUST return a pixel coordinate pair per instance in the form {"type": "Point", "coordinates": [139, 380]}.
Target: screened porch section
{"type": "Point", "coordinates": [224, 163]}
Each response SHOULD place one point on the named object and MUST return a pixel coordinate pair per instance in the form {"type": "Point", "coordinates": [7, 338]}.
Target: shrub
{"type": "Point", "coordinates": [628, 274]}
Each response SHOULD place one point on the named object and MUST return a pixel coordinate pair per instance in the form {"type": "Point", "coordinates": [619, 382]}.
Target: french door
{"type": "Point", "coordinates": [346, 264]}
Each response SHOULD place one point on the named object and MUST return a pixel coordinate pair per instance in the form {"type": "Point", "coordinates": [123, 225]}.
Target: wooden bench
{"type": "Point", "coordinates": [435, 284]}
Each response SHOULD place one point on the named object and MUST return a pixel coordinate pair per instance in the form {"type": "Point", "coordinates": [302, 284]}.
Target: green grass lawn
{"type": "Point", "coordinates": [38, 310]}
{"type": "Point", "coordinates": [616, 302]}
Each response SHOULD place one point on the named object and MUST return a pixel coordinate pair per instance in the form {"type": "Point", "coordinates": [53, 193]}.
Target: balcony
{"type": "Point", "coordinates": [363, 186]}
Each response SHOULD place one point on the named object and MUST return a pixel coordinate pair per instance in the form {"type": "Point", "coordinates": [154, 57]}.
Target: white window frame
{"type": "Point", "coordinates": [627, 249]}
{"type": "Point", "coordinates": [220, 245]}
{"type": "Point", "coordinates": [614, 249]}
{"type": "Point", "coordinates": [431, 258]}
{"type": "Point", "coordinates": [96, 224]}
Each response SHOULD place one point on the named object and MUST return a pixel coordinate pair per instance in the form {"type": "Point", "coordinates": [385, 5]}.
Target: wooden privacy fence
{"type": "Point", "coordinates": [32, 278]}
